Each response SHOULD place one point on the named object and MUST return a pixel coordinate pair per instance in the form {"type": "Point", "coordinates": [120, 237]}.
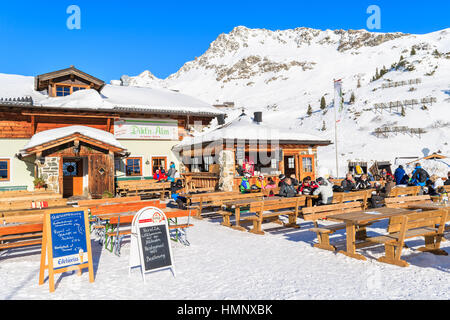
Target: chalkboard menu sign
{"type": "Point", "coordinates": [150, 241]}
{"type": "Point", "coordinates": [66, 244]}
{"type": "Point", "coordinates": [155, 247]}
{"type": "Point", "coordinates": [68, 239]}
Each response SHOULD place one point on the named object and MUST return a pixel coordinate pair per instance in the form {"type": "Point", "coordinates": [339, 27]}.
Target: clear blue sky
{"type": "Point", "coordinates": [128, 37]}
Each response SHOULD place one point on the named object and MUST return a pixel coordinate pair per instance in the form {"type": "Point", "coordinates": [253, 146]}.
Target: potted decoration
{"type": "Point", "coordinates": [39, 183]}
{"type": "Point", "coordinates": [107, 194]}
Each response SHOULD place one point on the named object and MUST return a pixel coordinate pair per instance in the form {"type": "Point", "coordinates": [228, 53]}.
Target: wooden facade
{"type": "Point", "coordinates": [297, 159]}
{"type": "Point", "coordinates": [94, 160]}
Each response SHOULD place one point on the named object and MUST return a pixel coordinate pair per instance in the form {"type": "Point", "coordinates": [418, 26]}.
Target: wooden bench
{"type": "Point", "coordinates": [216, 199]}
{"type": "Point", "coordinates": [28, 204]}
{"type": "Point", "coordinates": [271, 210]}
{"type": "Point", "coordinates": [404, 202]}
{"type": "Point", "coordinates": [404, 191]}
{"type": "Point", "coordinates": [363, 196]}
{"type": "Point", "coordinates": [144, 188]}
{"type": "Point", "coordinates": [268, 192]}
{"type": "Point", "coordinates": [22, 235]}
{"type": "Point", "coordinates": [100, 202]}
{"type": "Point", "coordinates": [323, 232]}
{"type": "Point", "coordinates": [421, 224]}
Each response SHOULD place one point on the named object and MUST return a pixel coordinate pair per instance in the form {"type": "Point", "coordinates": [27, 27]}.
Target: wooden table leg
{"type": "Point", "coordinates": [351, 243]}
{"type": "Point", "coordinates": [237, 213]}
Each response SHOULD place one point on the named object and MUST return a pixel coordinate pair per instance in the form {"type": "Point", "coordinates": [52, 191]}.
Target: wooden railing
{"type": "Point", "coordinates": [196, 181]}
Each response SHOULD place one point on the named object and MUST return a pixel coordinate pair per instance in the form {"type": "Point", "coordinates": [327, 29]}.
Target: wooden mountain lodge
{"type": "Point", "coordinates": [76, 135]}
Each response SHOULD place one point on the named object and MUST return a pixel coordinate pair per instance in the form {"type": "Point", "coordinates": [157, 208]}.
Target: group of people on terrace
{"type": "Point", "coordinates": [324, 188]}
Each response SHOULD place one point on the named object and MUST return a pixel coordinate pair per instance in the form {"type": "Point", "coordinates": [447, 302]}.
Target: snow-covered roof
{"type": "Point", "coordinates": [111, 98]}
{"type": "Point", "coordinates": [245, 128]}
{"type": "Point", "coordinates": [54, 134]}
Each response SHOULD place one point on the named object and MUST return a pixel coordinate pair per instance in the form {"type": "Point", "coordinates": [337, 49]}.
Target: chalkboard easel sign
{"type": "Point", "coordinates": [66, 244]}
{"type": "Point", "coordinates": [150, 242]}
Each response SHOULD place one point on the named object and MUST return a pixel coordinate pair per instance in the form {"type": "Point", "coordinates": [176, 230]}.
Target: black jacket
{"type": "Point", "coordinates": [362, 185]}
{"type": "Point", "coordinates": [348, 185]}
{"type": "Point", "coordinates": [287, 190]}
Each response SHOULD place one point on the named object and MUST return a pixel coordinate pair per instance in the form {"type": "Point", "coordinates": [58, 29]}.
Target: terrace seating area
{"type": "Point", "coordinates": [408, 215]}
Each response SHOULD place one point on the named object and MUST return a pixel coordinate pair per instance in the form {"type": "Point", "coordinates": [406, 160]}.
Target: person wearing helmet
{"type": "Point", "coordinates": [282, 178]}
{"type": "Point", "coordinates": [308, 186]}
{"type": "Point", "coordinates": [244, 187]}
{"type": "Point", "coordinates": [325, 191]}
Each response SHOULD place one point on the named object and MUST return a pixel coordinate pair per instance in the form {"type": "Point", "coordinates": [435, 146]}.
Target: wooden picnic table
{"type": "Point", "coordinates": [238, 204]}
{"type": "Point", "coordinates": [354, 219]}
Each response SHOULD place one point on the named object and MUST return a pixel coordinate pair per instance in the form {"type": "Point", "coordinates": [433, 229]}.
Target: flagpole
{"type": "Point", "coordinates": [335, 131]}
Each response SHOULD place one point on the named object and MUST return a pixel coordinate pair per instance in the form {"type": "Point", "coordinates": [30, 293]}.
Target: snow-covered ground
{"type": "Point", "coordinates": [222, 263]}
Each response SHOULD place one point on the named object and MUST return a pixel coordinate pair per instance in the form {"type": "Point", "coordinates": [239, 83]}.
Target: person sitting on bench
{"type": "Point", "coordinates": [287, 189]}
{"type": "Point", "coordinates": [325, 190]}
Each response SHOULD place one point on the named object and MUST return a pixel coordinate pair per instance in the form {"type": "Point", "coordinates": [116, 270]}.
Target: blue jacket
{"type": "Point", "coordinates": [244, 186]}
{"type": "Point", "coordinates": [400, 176]}
{"type": "Point", "coordinates": [419, 177]}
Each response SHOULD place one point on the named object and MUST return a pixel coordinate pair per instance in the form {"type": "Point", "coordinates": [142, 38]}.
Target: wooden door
{"type": "Point", "coordinates": [72, 177]}
{"type": "Point", "coordinates": [101, 174]}
{"type": "Point", "coordinates": [307, 167]}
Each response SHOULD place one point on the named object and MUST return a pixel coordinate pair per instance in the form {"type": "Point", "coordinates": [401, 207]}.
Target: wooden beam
{"type": "Point", "coordinates": [33, 125]}
{"type": "Point", "coordinates": [69, 115]}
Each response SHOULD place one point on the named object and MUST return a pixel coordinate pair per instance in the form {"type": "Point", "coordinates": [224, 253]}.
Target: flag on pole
{"type": "Point", "coordinates": [338, 93]}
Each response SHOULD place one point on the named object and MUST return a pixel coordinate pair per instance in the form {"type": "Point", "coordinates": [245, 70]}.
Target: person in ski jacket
{"type": "Point", "coordinates": [363, 183]}
{"type": "Point", "coordinates": [282, 181]}
{"type": "Point", "coordinates": [260, 183]}
{"type": "Point", "coordinates": [349, 184]}
{"type": "Point", "coordinates": [419, 176]}
{"type": "Point", "coordinates": [381, 193]}
{"type": "Point", "coordinates": [171, 172]}
{"type": "Point", "coordinates": [400, 176]}
{"type": "Point", "coordinates": [385, 174]}
{"type": "Point", "coordinates": [324, 190]}
{"type": "Point", "coordinates": [244, 187]}
{"type": "Point", "coordinates": [308, 186]}
{"type": "Point", "coordinates": [294, 181]}
{"type": "Point", "coordinates": [287, 189]}
{"type": "Point", "coordinates": [156, 175]}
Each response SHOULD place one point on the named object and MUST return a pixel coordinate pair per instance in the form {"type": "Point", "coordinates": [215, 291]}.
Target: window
{"type": "Point", "coordinates": [207, 161]}
{"type": "Point", "coordinates": [133, 167]}
{"type": "Point", "coordinates": [291, 163]}
{"type": "Point", "coordinates": [158, 163]}
{"type": "Point", "coordinates": [74, 89]}
{"type": "Point", "coordinates": [118, 164]}
{"type": "Point", "coordinates": [70, 169]}
{"type": "Point", "coordinates": [307, 164]}
{"type": "Point", "coordinates": [4, 169]}
{"type": "Point", "coordinates": [62, 91]}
